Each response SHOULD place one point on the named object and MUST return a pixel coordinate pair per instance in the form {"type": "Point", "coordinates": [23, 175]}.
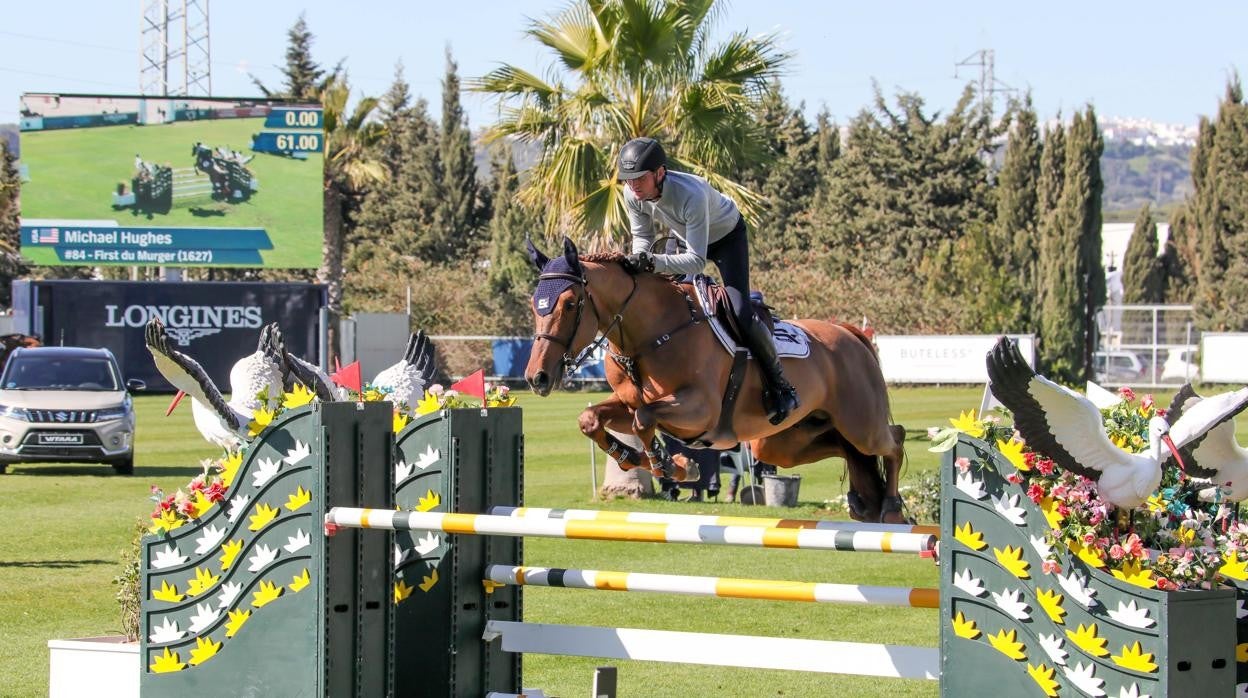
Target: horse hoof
{"type": "Point", "coordinates": [891, 511]}
{"type": "Point", "coordinates": [857, 507]}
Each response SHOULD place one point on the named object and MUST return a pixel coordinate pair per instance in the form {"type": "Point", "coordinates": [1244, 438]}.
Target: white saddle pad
{"type": "Point", "coordinates": [790, 340]}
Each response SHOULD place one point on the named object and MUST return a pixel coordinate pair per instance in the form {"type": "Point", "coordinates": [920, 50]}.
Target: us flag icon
{"type": "Point", "coordinates": [48, 236]}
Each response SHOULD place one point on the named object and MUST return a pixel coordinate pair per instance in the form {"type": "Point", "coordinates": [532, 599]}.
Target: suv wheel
{"type": "Point", "coordinates": [125, 466]}
{"type": "Point", "coordinates": [4, 468]}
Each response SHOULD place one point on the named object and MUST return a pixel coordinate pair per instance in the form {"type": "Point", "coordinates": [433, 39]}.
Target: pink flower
{"type": "Point", "coordinates": [1147, 403]}
{"type": "Point", "coordinates": [1045, 466]}
{"type": "Point", "coordinates": [1162, 413]}
{"type": "Point", "coordinates": [1063, 510]}
{"type": "Point", "coordinates": [1035, 493]}
{"type": "Point", "coordinates": [1126, 393]}
{"type": "Point", "coordinates": [1089, 538]}
{"type": "Point", "coordinates": [1166, 585]}
{"type": "Point", "coordinates": [1116, 551]}
{"type": "Point", "coordinates": [1015, 478]}
{"type": "Point", "coordinates": [154, 490]}
{"type": "Point", "coordinates": [215, 492]}
{"type": "Point", "coordinates": [187, 507]}
{"type": "Point", "coordinates": [964, 464]}
{"type": "Point", "coordinates": [1051, 567]}
{"type": "Point", "coordinates": [1134, 546]}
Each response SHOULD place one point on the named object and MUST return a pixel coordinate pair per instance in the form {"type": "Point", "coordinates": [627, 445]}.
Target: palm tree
{"type": "Point", "coordinates": [628, 68]}
{"type": "Point", "coordinates": [350, 168]}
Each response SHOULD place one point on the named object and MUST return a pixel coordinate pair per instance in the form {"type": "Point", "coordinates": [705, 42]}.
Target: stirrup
{"type": "Point", "coordinates": [779, 404]}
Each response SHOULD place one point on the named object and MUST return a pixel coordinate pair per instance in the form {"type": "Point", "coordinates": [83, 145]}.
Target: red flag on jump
{"type": "Point", "coordinates": [349, 377]}
{"type": "Point", "coordinates": [473, 384]}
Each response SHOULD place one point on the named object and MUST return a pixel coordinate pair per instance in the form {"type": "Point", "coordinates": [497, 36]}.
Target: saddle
{"type": "Point", "coordinates": [718, 304]}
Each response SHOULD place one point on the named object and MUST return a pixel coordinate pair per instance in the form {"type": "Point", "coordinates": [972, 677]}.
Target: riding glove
{"type": "Point", "coordinates": [639, 262]}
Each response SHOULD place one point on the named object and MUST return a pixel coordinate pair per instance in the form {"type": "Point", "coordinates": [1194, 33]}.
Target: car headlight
{"type": "Point", "coordinates": [111, 413]}
{"type": "Point", "coordinates": [19, 413]}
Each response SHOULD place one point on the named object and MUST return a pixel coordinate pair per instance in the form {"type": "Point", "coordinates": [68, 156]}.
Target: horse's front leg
{"type": "Point", "coordinates": [685, 410]}
{"type": "Point", "coordinates": [612, 414]}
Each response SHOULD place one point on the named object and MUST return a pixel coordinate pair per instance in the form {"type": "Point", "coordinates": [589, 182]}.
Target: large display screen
{"type": "Point", "coordinates": [170, 181]}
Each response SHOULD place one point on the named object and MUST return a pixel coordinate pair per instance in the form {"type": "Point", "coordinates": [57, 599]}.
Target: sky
{"type": "Point", "coordinates": [1141, 59]}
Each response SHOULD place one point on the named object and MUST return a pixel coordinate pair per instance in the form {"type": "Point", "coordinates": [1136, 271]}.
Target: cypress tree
{"type": "Point", "coordinates": [1084, 187]}
{"type": "Point", "coordinates": [787, 181]}
{"type": "Point", "coordinates": [457, 220]}
{"type": "Point", "coordinates": [303, 78]}
{"type": "Point", "coordinates": [1142, 273]}
{"type": "Point", "coordinates": [1014, 244]}
{"type": "Point", "coordinates": [511, 273]}
{"type": "Point", "coordinates": [1061, 346]}
{"type": "Point", "coordinates": [1177, 255]}
{"type": "Point", "coordinates": [10, 231]}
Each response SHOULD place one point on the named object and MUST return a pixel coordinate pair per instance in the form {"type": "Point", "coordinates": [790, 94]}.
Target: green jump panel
{"type": "Point", "coordinates": [1008, 628]}
{"type": "Point", "coordinates": [252, 598]}
{"type": "Point", "coordinates": [462, 460]}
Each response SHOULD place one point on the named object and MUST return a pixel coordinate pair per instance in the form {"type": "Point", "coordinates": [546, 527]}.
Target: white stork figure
{"type": "Point", "coordinates": [220, 421]}
{"type": "Point", "coordinates": [1067, 427]}
{"type": "Point", "coordinates": [307, 373]}
{"type": "Point", "coordinates": [407, 379]}
{"type": "Point", "coordinates": [1215, 455]}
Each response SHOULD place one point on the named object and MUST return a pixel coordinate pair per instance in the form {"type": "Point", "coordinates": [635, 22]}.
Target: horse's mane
{"type": "Point", "coordinates": [603, 257]}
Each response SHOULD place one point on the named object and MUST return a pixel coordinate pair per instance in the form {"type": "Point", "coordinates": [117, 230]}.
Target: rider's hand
{"type": "Point", "coordinates": [638, 262]}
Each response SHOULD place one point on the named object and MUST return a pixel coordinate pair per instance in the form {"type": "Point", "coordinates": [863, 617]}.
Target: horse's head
{"type": "Point", "coordinates": [561, 329]}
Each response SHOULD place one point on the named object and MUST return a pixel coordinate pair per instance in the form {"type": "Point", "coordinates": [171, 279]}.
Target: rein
{"type": "Point", "coordinates": [570, 363]}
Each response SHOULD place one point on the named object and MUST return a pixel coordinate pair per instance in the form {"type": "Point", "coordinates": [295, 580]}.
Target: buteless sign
{"type": "Point", "coordinates": [942, 358]}
{"type": "Point", "coordinates": [214, 323]}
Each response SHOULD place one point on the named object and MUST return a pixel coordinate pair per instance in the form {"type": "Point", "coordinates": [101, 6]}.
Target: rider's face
{"type": "Point", "coordinates": [646, 187]}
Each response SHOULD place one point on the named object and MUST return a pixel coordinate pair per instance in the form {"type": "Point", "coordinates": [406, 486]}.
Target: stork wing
{"type": "Point", "coordinates": [1200, 416]}
{"type": "Point", "coordinates": [185, 373]}
{"type": "Point", "coordinates": [1054, 420]}
{"type": "Point", "coordinates": [1183, 400]}
{"type": "Point", "coordinates": [421, 359]}
{"type": "Point", "coordinates": [312, 376]}
{"type": "Point", "coordinates": [1180, 403]}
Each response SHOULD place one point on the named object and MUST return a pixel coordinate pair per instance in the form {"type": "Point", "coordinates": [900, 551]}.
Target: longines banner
{"type": "Point", "coordinates": [214, 323]}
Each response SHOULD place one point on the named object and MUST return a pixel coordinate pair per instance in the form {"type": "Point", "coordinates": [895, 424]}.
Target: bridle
{"type": "Point", "coordinates": [569, 363]}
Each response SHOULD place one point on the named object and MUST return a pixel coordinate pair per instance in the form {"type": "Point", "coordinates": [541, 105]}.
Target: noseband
{"type": "Point", "coordinates": [569, 363]}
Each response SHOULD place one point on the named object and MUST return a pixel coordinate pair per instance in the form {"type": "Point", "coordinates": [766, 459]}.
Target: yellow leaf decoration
{"type": "Point", "coordinates": [237, 618]}
{"type": "Point", "coordinates": [1241, 653]}
{"type": "Point", "coordinates": [967, 424]}
{"type": "Point", "coordinates": [1049, 505]}
{"type": "Point", "coordinates": [297, 500]}
{"type": "Point", "coordinates": [167, 592]}
{"type": "Point", "coordinates": [965, 628]}
{"type": "Point", "coordinates": [1012, 559]}
{"type": "Point", "coordinates": [1090, 555]}
{"type": "Point", "coordinates": [1233, 567]}
{"type": "Point", "coordinates": [969, 537]}
{"type": "Point", "coordinates": [260, 420]}
{"type": "Point", "coordinates": [267, 593]}
{"type": "Point", "coordinates": [229, 552]}
{"type": "Point", "coordinates": [205, 649]}
{"type": "Point", "coordinates": [300, 581]}
{"type": "Point", "coordinates": [1088, 640]}
{"type": "Point", "coordinates": [264, 514]}
{"type": "Point", "coordinates": [1043, 676]}
{"type": "Point", "coordinates": [167, 521]}
{"type": "Point", "coordinates": [427, 582]}
{"type": "Point", "coordinates": [1013, 452]}
{"type": "Point", "coordinates": [166, 663]}
{"type": "Point", "coordinates": [428, 502]}
{"type": "Point", "coordinates": [1135, 659]}
{"type": "Point", "coordinates": [229, 468]}
{"type": "Point", "coordinates": [203, 581]}
{"type": "Point", "coordinates": [1006, 643]}
{"type": "Point", "coordinates": [402, 591]}
{"type": "Point", "coordinates": [400, 421]}
{"type": "Point", "coordinates": [202, 504]}
{"type": "Point", "coordinates": [428, 405]}
{"type": "Point", "coordinates": [297, 397]}
{"type": "Point", "coordinates": [1051, 601]}
{"type": "Point", "coordinates": [1134, 573]}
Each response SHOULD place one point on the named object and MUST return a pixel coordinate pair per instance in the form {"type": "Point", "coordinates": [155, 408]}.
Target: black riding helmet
{"type": "Point", "coordinates": [639, 156]}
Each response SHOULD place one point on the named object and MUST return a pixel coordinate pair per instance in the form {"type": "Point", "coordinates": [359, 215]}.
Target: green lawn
{"type": "Point", "coordinates": [65, 527]}
{"type": "Point", "coordinates": [73, 173]}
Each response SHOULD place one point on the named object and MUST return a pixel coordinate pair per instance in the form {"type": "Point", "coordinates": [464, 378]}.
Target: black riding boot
{"type": "Point", "coordinates": [779, 397]}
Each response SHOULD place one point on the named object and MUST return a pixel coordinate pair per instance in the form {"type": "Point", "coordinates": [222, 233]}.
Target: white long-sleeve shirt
{"type": "Point", "coordinates": [694, 211]}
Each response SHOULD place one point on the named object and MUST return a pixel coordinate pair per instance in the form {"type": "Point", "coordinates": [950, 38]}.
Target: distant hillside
{"type": "Point", "coordinates": [1138, 173]}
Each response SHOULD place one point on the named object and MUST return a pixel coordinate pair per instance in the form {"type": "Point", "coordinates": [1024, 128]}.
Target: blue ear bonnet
{"type": "Point", "coordinates": [549, 290]}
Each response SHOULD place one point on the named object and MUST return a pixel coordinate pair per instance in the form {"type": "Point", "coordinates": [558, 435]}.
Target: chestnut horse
{"type": "Point", "coordinates": [679, 373]}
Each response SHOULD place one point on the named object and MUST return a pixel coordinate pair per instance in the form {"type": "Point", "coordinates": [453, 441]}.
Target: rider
{"type": "Point", "coordinates": [711, 228]}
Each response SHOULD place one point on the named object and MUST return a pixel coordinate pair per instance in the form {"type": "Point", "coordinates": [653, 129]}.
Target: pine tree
{"type": "Point", "coordinates": [787, 180]}
{"type": "Point", "coordinates": [1142, 272]}
{"type": "Point", "coordinates": [303, 78]}
{"type": "Point", "coordinates": [10, 231]}
{"type": "Point", "coordinates": [511, 273]}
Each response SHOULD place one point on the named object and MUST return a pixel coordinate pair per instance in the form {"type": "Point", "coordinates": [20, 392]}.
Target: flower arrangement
{"type": "Point", "coordinates": [212, 485]}
{"type": "Point", "coordinates": [1174, 541]}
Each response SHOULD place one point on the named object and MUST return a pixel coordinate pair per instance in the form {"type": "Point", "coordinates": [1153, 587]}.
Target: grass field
{"type": "Point", "coordinates": [64, 527]}
{"type": "Point", "coordinates": [73, 173]}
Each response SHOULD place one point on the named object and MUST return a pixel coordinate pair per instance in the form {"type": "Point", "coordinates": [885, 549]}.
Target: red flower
{"type": "Point", "coordinates": [1015, 478]}
{"type": "Point", "coordinates": [1126, 393]}
{"type": "Point", "coordinates": [215, 492]}
{"type": "Point", "coordinates": [1035, 493]}
{"type": "Point", "coordinates": [1045, 466]}
{"type": "Point", "coordinates": [187, 508]}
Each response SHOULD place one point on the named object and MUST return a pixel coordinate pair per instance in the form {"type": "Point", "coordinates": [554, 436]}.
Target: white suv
{"type": "Point", "coordinates": [66, 404]}
{"type": "Point", "coordinates": [1181, 366]}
